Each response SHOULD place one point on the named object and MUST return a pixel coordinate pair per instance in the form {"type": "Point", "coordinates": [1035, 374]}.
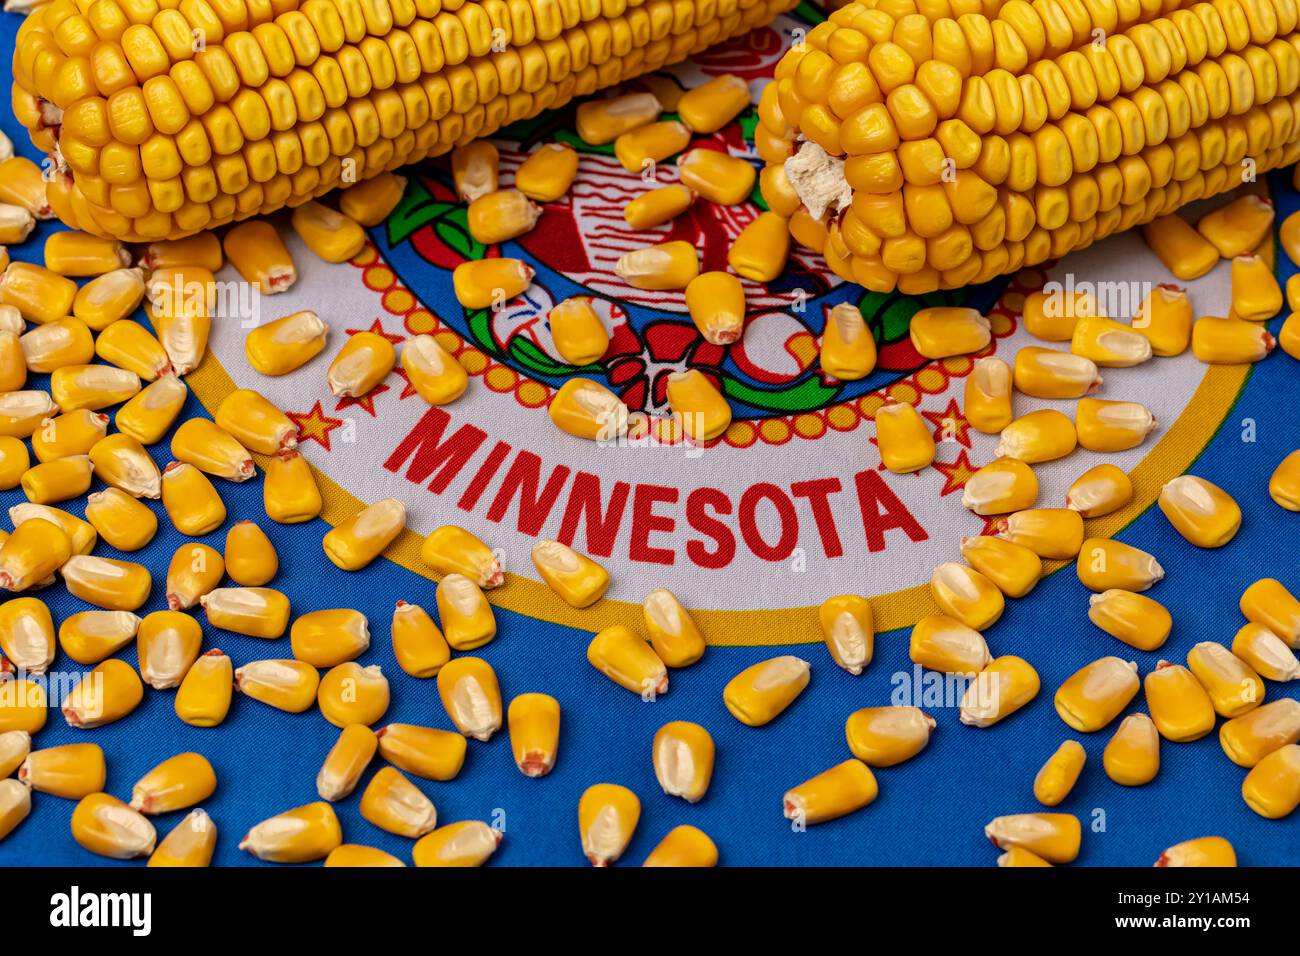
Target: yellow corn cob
{"type": "Point", "coordinates": [281, 105]}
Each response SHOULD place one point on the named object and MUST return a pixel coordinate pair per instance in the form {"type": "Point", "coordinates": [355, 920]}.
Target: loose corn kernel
{"type": "Point", "coordinates": [191, 843]}
{"type": "Point", "coordinates": [67, 435]}
{"type": "Point", "coordinates": [1289, 336]}
{"type": "Point", "coordinates": [168, 643]}
{"type": "Point", "coordinates": [453, 550]}
{"type": "Point", "coordinates": [364, 361]}
{"type": "Point", "coordinates": [966, 595]}
{"type": "Point", "coordinates": [474, 170]}
{"type": "Point", "coordinates": [534, 723]}
{"type": "Point", "coordinates": [15, 745]}
{"type": "Point", "coordinates": [72, 771]}
{"type": "Point", "coordinates": [1059, 774]}
{"type": "Point", "coordinates": [848, 630]}
{"type": "Point", "coordinates": [716, 302]}
{"type": "Point", "coordinates": [286, 344]}
{"type": "Point", "coordinates": [1003, 486]}
{"type": "Point", "coordinates": [1284, 483]}
{"type": "Point", "coordinates": [576, 578]}
{"type": "Point", "coordinates": [1099, 491]}
{"type": "Point", "coordinates": [1200, 511]}
{"type": "Point", "coordinates": [1019, 857]}
{"type": "Point", "coordinates": [1096, 694]}
{"type": "Point", "coordinates": [150, 414]}
{"type": "Point", "coordinates": [175, 784]}
{"type": "Point", "coordinates": [658, 206]}
{"type": "Point", "coordinates": [393, 803]}
{"type": "Point", "coordinates": [904, 439]}
{"type": "Point", "coordinates": [1012, 567]}
{"type": "Point", "coordinates": [588, 410]}
{"type": "Point", "coordinates": [107, 583]}
{"type": "Point", "coordinates": [1004, 686]}
{"type": "Point", "coordinates": [255, 423]}
{"type": "Point", "coordinates": [463, 844]}
{"type": "Point", "coordinates": [32, 553]}
{"type": "Point", "coordinates": [352, 694]}
{"type": "Point", "coordinates": [289, 491]}
{"type": "Point", "coordinates": [717, 176]}
{"type": "Point", "coordinates": [758, 694]}
{"type": "Point", "coordinates": [21, 413]}
{"type": "Point", "coordinates": [639, 149]}
{"type": "Point", "coordinates": [283, 684]}
{"type": "Point", "coordinates": [466, 616]}
{"type": "Point", "coordinates": [887, 736]}
{"type": "Point", "coordinates": [253, 612]}
{"type": "Point", "coordinates": [1230, 341]}
{"type": "Point", "coordinates": [673, 633]}
{"type": "Point", "coordinates": [1256, 296]}
{"type": "Point", "coordinates": [1165, 319]}
{"type": "Point", "coordinates": [1203, 851]}
{"type": "Point", "coordinates": [1107, 426]}
{"type": "Point", "coordinates": [57, 344]}
{"type": "Point", "coordinates": [356, 542]}
{"type": "Point", "coordinates": [1135, 619]}
{"type": "Point", "coordinates": [1250, 738]}
{"type": "Point", "coordinates": [834, 793]}
{"type": "Point", "coordinates": [577, 331]}
{"type": "Point", "coordinates": [1132, 756]}
{"type": "Point", "coordinates": [22, 706]}
{"type": "Point", "coordinates": [942, 643]}
{"type": "Point", "coordinates": [346, 762]}
{"type": "Point", "coordinates": [250, 557]}
{"type": "Point", "coordinates": [15, 805]}
{"type": "Point", "coordinates": [1272, 788]}
{"type": "Point", "coordinates": [257, 252]}
{"type": "Point", "coordinates": [92, 386]}
{"type": "Point", "coordinates": [683, 760]}
{"type": "Point", "coordinates": [1239, 226]}
{"type": "Point", "coordinates": [14, 461]}
{"type": "Point", "coordinates": [89, 637]}
{"type": "Point", "coordinates": [668, 266]}
{"type": "Point", "coordinates": [109, 298]}
{"type": "Point", "coordinates": [1269, 603]}
{"type": "Point", "coordinates": [607, 818]}
{"type": "Point", "coordinates": [54, 481]}
{"type": "Point", "coordinates": [1044, 435]}
{"type": "Point", "coordinates": [684, 846]}
{"type": "Point", "coordinates": [1105, 564]}
{"type": "Point", "coordinates": [1109, 344]}
{"type": "Point", "coordinates": [490, 283]}
{"type": "Point", "coordinates": [848, 347]}
{"type": "Point", "coordinates": [1052, 316]}
{"type": "Point", "coordinates": [77, 254]}
{"type": "Point", "coordinates": [202, 250]}
{"type": "Point", "coordinates": [423, 751]}
{"type": "Point", "coordinates": [1184, 251]}
{"type": "Point", "coordinates": [23, 184]}
{"type": "Point", "coordinates": [121, 462]}
{"type": "Point", "coordinates": [369, 203]}
{"type": "Point", "coordinates": [1267, 653]}
{"type": "Point", "coordinates": [1179, 705]}
{"type": "Point", "coordinates": [300, 835]}
{"type": "Point", "coordinates": [703, 411]}
{"type": "Point", "coordinates": [627, 660]}
{"type": "Point", "coordinates": [328, 638]}
{"type": "Point", "coordinates": [471, 696]}
{"type": "Point", "coordinates": [212, 450]}
{"type": "Point", "coordinates": [1053, 533]}
{"type": "Point", "coordinates": [602, 121]}
{"type": "Point", "coordinates": [40, 294]}
{"type": "Point", "coordinates": [1045, 373]}
{"type": "Point", "coordinates": [942, 332]}
{"type": "Point", "coordinates": [108, 693]}
{"type": "Point", "coordinates": [27, 634]}
{"type": "Point", "coordinates": [988, 396]}
{"type": "Point", "coordinates": [547, 174]}
{"type": "Point", "coordinates": [1232, 684]}
{"type": "Point", "coordinates": [436, 375]}
{"type": "Point", "coordinates": [17, 223]}
{"type": "Point", "coordinates": [106, 826]}
{"type": "Point", "coordinates": [1054, 837]}
{"type": "Point", "coordinates": [501, 216]}
{"type": "Point", "coordinates": [195, 569]}
{"type": "Point", "coordinates": [203, 699]}
{"type": "Point", "coordinates": [709, 107]}
{"type": "Point", "coordinates": [11, 320]}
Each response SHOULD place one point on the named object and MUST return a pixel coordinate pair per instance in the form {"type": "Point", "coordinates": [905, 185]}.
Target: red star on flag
{"type": "Point", "coordinates": [407, 389]}
{"type": "Point", "coordinates": [956, 473]}
{"type": "Point", "coordinates": [950, 424]}
{"type": "Point", "coordinates": [315, 425]}
{"type": "Point", "coordinates": [378, 328]}
{"type": "Point", "coordinates": [366, 401]}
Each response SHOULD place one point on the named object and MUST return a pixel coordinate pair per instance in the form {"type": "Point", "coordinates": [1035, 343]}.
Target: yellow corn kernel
{"type": "Point", "coordinates": [716, 302]}
{"type": "Point", "coordinates": [175, 784]}
{"type": "Point", "coordinates": [423, 751]}
{"type": "Point", "coordinates": [942, 643]}
{"type": "Point", "coordinates": [1012, 567]}
{"type": "Point", "coordinates": [942, 332]}
{"type": "Point", "coordinates": [483, 283]}
{"type": "Point", "coordinates": [501, 216]}
{"type": "Point", "coordinates": [195, 569]}
{"type": "Point", "coordinates": [628, 661]}
{"type": "Point", "coordinates": [356, 542]}
{"type": "Point", "coordinates": [71, 771]}
{"type": "Point", "coordinates": [364, 361]}
{"type": "Point", "coordinates": [107, 583]}
{"type": "Point", "coordinates": [887, 736]}
{"type": "Point", "coordinates": [1107, 426]}
{"type": "Point", "coordinates": [89, 637]}
{"type": "Point", "coordinates": [346, 762]}
{"type": "Point", "coordinates": [181, 303]}
{"type": "Point", "coordinates": [1018, 857]}
{"type": "Point", "coordinates": [1284, 483]}
{"type": "Point", "coordinates": [1058, 776]}
{"type": "Point", "coordinates": [168, 644]}
{"type": "Point", "coordinates": [54, 481]}
{"type": "Point", "coordinates": [1046, 373]}
{"type": "Point", "coordinates": [253, 612]}
{"type": "Point", "coordinates": [1232, 684]}
{"type": "Point", "coordinates": [1054, 837]}
{"type": "Point", "coordinates": [21, 413]}
{"type": "Point", "coordinates": [1132, 756]}
{"type": "Point", "coordinates": [67, 435]}
{"type": "Point", "coordinates": [1004, 686]}
{"type": "Point", "coordinates": [904, 439]}
{"type": "Point", "coordinates": [17, 223]}
{"type": "Point", "coordinates": [1272, 788]}
{"type": "Point", "coordinates": [202, 250]}
{"type": "Point", "coordinates": [1165, 319]}
{"type": "Point", "coordinates": [670, 265]}
{"type": "Point", "coordinates": [1052, 316]}
{"type": "Point", "coordinates": [577, 331]}
{"type": "Point", "coordinates": [14, 461]}
{"type": "Point", "coordinates": [605, 120]}
{"type": "Point", "coordinates": [289, 491]}
{"type": "Point", "coordinates": [1179, 705]}
{"type": "Point", "coordinates": [283, 684]}
{"type": "Point", "coordinates": [588, 410]}
{"type": "Point", "coordinates": [453, 550]}
{"type": "Point", "coordinates": [1203, 851]}
{"type": "Point", "coordinates": [23, 184]}
{"type": "Point", "coordinates": [847, 627]}
{"type": "Point", "coordinates": [15, 805]}
{"type": "Point", "coordinates": [120, 519]}
{"type": "Point", "coordinates": [466, 615]}
{"type": "Point", "coordinates": [300, 835]}
{"type": "Point", "coordinates": [703, 411]}
{"type": "Point", "coordinates": [1289, 336]}
{"type": "Point", "coordinates": [834, 793]}
{"type": "Point", "coordinates": [471, 696]}
{"type": "Point", "coordinates": [1256, 296]}
{"type": "Point", "coordinates": [1239, 226]}
{"type": "Point", "coordinates": [71, 253]}
{"type": "Point", "coordinates": [848, 347]}
{"type": "Point", "coordinates": [327, 232]}
{"type": "Point", "coordinates": [474, 170]}
{"type": "Point", "coordinates": [684, 846]}
{"type": "Point", "coordinates": [1044, 435]}
{"type": "Point", "coordinates": [212, 450]}
{"type": "Point", "coordinates": [109, 298]}
{"type": "Point", "coordinates": [1109, 344]}
{"type": "Point", "coordinates": [106, 826]}
{"type": "Point", "coordinates": [966, 595]}
{"type": "Point", "coordinates": [352, 694]}
{"type": "Point", "coordinates": [203, 699]}
{"type": "Point", "coordinates": [56, 344]}
{"type": "Point", "coordinates": [22, 706]}
{"type": "Point", "coordinates": [534, 723]}
{"type": "Point", "coordinates": [108, 693]}
{"type": "Point", "coordinates": [462, 844]}
{"type": "Point", "coordinates": [988, 396]}
{"type": "Point", "coordinates": [1105, 564]}
{"type": "Point", "coordinates": [1264, 651]}
{"type": "Point", "coordinates": [673, 634]}
{"type": "Point", "coordinates": [328, 638]}
{"type": "Point", "coordinates": [27, 634]}
{"type": "Point", "coordinates": [547, 174]}
{"type": "Point", "coordinates": [191, 843]}
{"type": "Point", "coordinates": [1184, 251]}
{"type": "Point", "coordinates": [1230, 341]}
{"type": "Point", "coordinates": [640, 149]}
{"type": "Point", "coordinates": [1053, 533]}
{"type": "Point", "coordinates": [711, 106]}
{"type": "Point", "coordinates": [250, 558]}
{"type": "Point", "coordinates": [255, 423]}
{"type": "Point", "coordinates": [717, 176]}
{"type": "Point", "coordinates": [1200, 511]}
{"type": "Point", "coordinates": [436, 375]}
{"type": "Point", "coordinates": [761, 692]}
{"type": "Point", "coordinates": [393, 803]}
{"type": "Point", "coordinates": [32, 553]}
{"type": "Point", "coordinates": [607, 818]}
{"type": "Point", "coordinates": [150, 414]}
{"type": "Point", "coordinates": [256, 251]}
{"type": "Point", "coordinates": [15, 745]}
{"type": "Point", "coordinates": [1269, 603]}
{"type": "Point", "coordinates": [658, 206]}
{"type": "Point", "coordinates": [1099, 491]}
{"type": "Point", "coordinates": [286, 344]}
{"type": "Point", "coordinates": [1095, 695]}
{"type": "Point", "coordinates": [1248, 739]}
{"type": "Point", "coordinates": [369, 203]}
{"type": "Point", "coordinates": [576, 578]}
{"type": "Point", "coordinates": [1135, 619]}
{"type": "Point", "coordinates": [92, 386]}
{"type": "Point", "coordinates": [40, 294]}
{"type": "Point", "coordinates": [683, 760]}
{"type": "Point", "coordinates": [121, 462]}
